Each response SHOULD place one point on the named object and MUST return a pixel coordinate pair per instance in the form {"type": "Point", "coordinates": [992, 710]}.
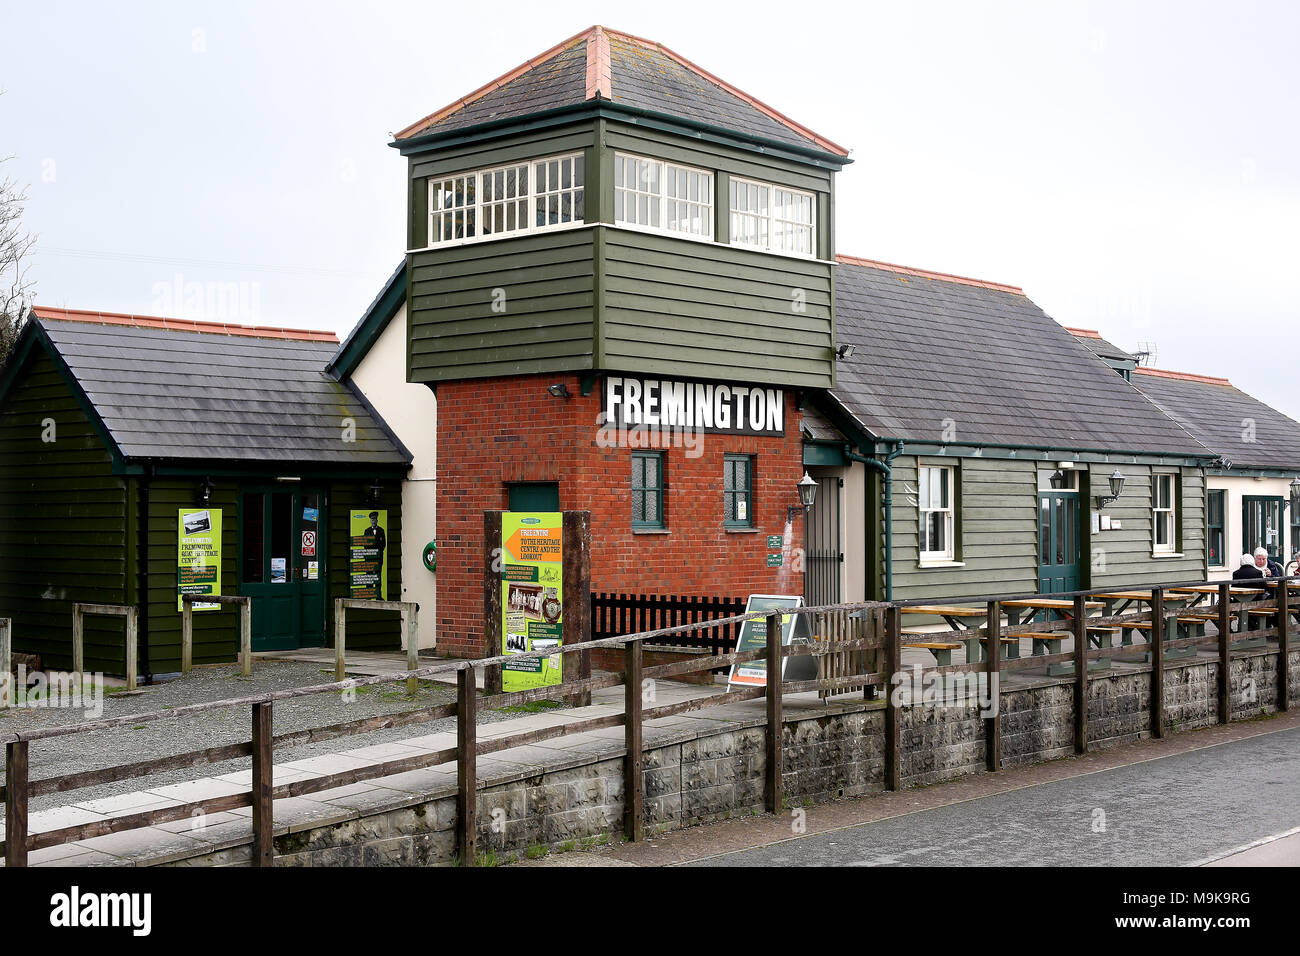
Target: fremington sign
{"type": "Point", "coordinates": [708, 407]}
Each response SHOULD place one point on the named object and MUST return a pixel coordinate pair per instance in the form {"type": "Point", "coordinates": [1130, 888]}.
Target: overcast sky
{"type": "Point", "coordinates": [1135, 167]}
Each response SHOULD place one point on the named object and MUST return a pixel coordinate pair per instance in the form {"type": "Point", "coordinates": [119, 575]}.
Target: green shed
{"type": "Point", "coordinates": [122, 436]}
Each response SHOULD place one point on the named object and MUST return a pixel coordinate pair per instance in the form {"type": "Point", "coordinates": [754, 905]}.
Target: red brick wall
{"type": "Point", "coordinates": [500, 430]}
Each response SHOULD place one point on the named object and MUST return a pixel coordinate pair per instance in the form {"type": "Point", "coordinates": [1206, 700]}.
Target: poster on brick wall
{"type": "Point", "coordinates": [532, 592]}
{"type": "Point", "coordinates": [198, 555]}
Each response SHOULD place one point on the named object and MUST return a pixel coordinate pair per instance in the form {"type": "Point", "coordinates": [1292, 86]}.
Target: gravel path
{"type": "Point", "coordinates": [230, 725]}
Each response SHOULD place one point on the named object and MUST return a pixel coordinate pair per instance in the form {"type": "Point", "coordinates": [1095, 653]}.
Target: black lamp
{"type": "Point", "coordinates": [1295, 494]}
{"type": "Point", "coordinates": [375, 489]}
{"type": "Point", "coordinates": [1058, 479]}
{"type": "Point", "coordinates": [1116, 489]}
{"type": "Point", "coordinates": [206, 487]}
{"type": "Point", "coordinates": [560, 390]}
{"type": "Point", "coordinates": [807, 495]}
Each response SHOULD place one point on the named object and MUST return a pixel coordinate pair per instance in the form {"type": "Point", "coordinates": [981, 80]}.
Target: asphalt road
{"type": "Point", "coordinates": [1222, 803]}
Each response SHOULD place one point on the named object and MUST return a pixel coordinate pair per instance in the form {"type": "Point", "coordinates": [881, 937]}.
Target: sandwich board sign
{"type": "Point", "coordinates": [795, 629]}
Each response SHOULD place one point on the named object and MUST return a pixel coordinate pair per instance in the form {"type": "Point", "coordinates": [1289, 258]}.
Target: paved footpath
{"type": "Point", "coordinates": [1226, 796]}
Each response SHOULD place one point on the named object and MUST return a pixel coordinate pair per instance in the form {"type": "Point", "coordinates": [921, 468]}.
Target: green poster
{"type": "Point", "coordinates": [369, 569]}
{"type": "Point", "coordinates": [198, 554]}
{"type": "Point", "coordinates": [795, 629]}
{"type": "Point", "coordinates": [532, 596]}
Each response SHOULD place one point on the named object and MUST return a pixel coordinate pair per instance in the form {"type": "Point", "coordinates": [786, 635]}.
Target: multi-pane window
{"type": "Point", "coordinates": [1261, 525]}
{"type": "Point", "coordinates": [659, 195]}
{"type": "Point", "coordinates": [935, 501]}
{"type": "Point", "coordinates": [1215, 532]}
{"type": "Point", "coordinates": [738, 490]}
{"type": "Point", "coordinates": [505, 200]}
{"type": "Point", "coordinates": [772, 217]}
{"type": "Point", "coordinates": [1164, 512]}
{"type": "Point", "coordinates": [647, 489]}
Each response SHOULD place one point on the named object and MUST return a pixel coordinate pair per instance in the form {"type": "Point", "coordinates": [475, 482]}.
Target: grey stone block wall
{"type": "Point", "coordinates": [721, 774]}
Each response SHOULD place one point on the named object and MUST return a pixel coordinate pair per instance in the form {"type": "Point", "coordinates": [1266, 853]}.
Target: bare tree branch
{"type": "Point", "coordinates": [16, 244]}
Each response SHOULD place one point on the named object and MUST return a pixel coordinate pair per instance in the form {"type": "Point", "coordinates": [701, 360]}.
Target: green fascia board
{"type": "Point", "coordinates": [32, 336]}
{"type": "Point", "coordinates": [1247, 472]}
{"type": "Point", "coordinates": [667, 122]}
{"type": "Point", "coordinates": [839, 416]}
{"type": "Point", "coordinates": [371, 325]}
{"type": "Point", "coordinates": [188, 468]}
{"type": "Point", "coordinates": [823, 453]}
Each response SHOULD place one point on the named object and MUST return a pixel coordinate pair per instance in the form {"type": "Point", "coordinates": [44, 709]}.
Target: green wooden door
{"type": "Point", "coordinates": [282, 566]}
{"type": "Point", "coordinates": [534, 496]}
{"type": "Point", "coordinates": [1261, 526]}
{"type": "Point", "coordinates": [1058, 541]}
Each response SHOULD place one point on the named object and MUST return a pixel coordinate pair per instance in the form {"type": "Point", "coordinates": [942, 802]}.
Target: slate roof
{"type": "Point", "coordinates": [1220, 415]}
{"type": "Point", "coordinates": [172, 389]}
{"type": "Point", "coordinates": [600, 63]}
{"type": "Point", "coordinates": [933, 349]}
{"type": "Point", "coordinates": [1100, 346]}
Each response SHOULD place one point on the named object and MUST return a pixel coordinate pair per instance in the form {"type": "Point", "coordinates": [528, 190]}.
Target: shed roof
{"type": "Point", "coordinates": [172, 389]}
{"type": "Point", "coordinates": [952, 360]}
{"type": "Point", "coordinates": [1233, 424]}
{"type": "Point", "coordinates": [617, 67]}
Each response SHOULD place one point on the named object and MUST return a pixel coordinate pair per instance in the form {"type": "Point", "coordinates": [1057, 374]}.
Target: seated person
{"type": "Point", "coordinates": [1268, 567]}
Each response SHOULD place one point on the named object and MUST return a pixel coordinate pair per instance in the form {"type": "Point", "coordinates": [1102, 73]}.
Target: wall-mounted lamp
{"type": "Point", "coordinates": [807, 495]}
{"type": "Point", "coordinates": [374, 491]}
{"type": "Point", "coordinates": [1116, 489]}
{"type": "Point", "coordinates": [844, 351]}
{"type": "Point", "coordinates": [1295, 494]}
{"type": "Point", "coordinates": [206, 487]}
{"type": "Point", "coordinates": [1057, 479]}
{"type": "Point", "coordinates": [560, 391]}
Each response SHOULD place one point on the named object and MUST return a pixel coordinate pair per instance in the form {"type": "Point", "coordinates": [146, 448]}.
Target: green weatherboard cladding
{"type": "Point", "coordinates": [600, 297]}
{"type": "Point", "coordinates": [997, 534]}
{"type": "Point", "coordinates": [54, 555]}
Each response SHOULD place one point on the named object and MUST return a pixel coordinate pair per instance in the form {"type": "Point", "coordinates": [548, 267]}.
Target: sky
{"type": "Point", "coordinates": [1133, 166]}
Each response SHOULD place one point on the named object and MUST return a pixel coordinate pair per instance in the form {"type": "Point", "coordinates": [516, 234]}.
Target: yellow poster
{"type": "Point", "coordinates": [198, 556]}
{"type": "Point", "coordinates": [532, 596]}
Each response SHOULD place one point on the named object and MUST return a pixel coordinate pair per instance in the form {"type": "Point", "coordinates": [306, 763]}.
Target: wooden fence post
{"type": "Point", "coordinates": [893, 668]}
{"type": "Point", "coordinates": [775, 749]}
{"type": "Point", "coordinates": [993, 678]}
{"type": "Point", "coordinates": [1157, 662]}
{"type": "Point", "coordinates": [1284, 645]}
{"type": "Point", "coordinates": [340, 637]}
{"type": "Point", "coordinates": [466, 766]}
{"type": "Point", "coordinates": [246, 637]}
{"type": "Point", "coordinates": [1080, 675]}
{"type": "Point", "coordinates": [576, 611]}
{"type": "Point", "coordinates": [411, 627]}
{"type": "Point", "coordinates": [1225, 652]}
{"type": "Point", "coordinates": [6, 662]}
{"type": "Point", "coordinates": [78, 643]}
{"type": "Point", "coordinates": [132, 651]}
{"type": "Point", "coordinates": [633, 777]}
{"type": "Point", "coordinates": [187, 634]}
{"type": "Point", "coordinates": [16, 804]}
{"type": "Point", "coordinates": [263, 803]}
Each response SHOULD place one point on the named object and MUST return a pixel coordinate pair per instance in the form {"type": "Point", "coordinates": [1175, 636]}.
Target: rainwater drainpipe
{"type": "Point", "coordinates": [884, 468]}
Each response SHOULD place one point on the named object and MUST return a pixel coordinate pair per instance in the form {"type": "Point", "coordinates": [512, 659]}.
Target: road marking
{"type": "Point", "coordinates": [1264, 841]}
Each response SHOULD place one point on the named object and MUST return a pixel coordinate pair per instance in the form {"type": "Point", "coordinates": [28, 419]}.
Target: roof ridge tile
{"type": "Point", "coordinates": [928, 274]}
{"type": "Point", "coordinates": [165, 323]}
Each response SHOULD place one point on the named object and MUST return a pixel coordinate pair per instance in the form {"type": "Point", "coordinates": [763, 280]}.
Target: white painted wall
{"type": "Point", "coordinates": [1238, 487]}
{"type": "Point", "coordinates": [411, 412]}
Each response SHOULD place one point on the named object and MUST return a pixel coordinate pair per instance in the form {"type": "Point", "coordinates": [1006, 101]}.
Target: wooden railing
{"type": "Point", "coordinates": [245, 605]}
{"type": "Point", "coordinates": [844, 656]}
{"type": "Point", "coordinates": [410, 623]}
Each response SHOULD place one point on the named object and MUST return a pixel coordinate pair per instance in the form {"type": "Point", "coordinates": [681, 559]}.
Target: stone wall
{"type": "Point", "coordinates": [697, 778]}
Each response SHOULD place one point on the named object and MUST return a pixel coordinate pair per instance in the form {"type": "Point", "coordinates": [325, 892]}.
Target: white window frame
{"type": "Point", "coordinates": [527, 198]}
{"type": "Point", "coordinates": [925, 508]}
{"type": "Point", "coordinates": [773, 221]}
{"type": "Point", "coordinates": [661, 199]}
{"type": "Point", "coordinates": [1168, 515]}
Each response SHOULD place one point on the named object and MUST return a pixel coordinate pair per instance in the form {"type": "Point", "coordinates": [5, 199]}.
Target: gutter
{"type": "Point", "coordinates": [884, 467]}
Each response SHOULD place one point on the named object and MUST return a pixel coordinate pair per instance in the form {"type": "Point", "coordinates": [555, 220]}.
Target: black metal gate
{"type": "Point", "coordinates": [824, 557]}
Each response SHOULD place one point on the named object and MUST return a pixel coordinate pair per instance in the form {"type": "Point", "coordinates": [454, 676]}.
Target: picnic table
{"type": "Point", "coordinates": [958, 617]}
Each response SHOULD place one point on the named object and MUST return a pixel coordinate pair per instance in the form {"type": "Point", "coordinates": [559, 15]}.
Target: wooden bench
{"type": "Point", "coordinates": [1103, 636]}
{"type": "Point", "coordinates": [942, 650]}
{"type": "Point", "coordinates": [1047, 643]}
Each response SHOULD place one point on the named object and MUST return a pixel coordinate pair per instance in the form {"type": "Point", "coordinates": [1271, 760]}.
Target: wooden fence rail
{"type": "Point", "coordinates": [855, 639]}
{"type": "Point", "coordinates": [245, 605]}
{"type": "Point", "coordinates": [410, 612]}
{"type": "Point", "coordinates": [79, 614]}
